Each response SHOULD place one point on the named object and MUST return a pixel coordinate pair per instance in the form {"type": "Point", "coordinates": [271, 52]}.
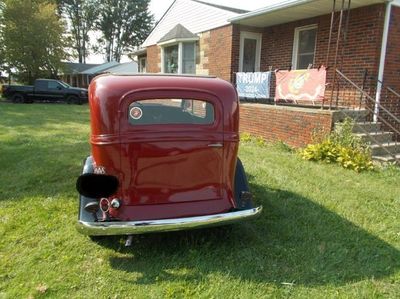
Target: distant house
{"type": "Point", "coordinates": [201, 38]}
{"type": "Point", "coordinates": [80, 74]}
{"type": "Point", "coordinates": [127, 68]}
{"type": "Point", "coordinates": [72, 73]}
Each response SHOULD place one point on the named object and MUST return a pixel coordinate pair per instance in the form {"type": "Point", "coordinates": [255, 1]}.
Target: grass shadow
{"type": "Point", "coordinates": [294, 241]}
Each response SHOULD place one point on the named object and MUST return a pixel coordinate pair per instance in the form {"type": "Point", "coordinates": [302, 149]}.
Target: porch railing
{"type": "Point", "coordinates": [374, 119]}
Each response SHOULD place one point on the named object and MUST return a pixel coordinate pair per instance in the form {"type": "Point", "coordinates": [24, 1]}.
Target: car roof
{"type": "Point", "coordinates": [162, 75]}
{"type": "Point", "coordinates": [124, 84]}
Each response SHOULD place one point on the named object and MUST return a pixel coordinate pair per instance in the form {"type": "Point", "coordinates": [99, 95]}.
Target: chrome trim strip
{"type": "Point", "coordinates": [163, 225]}
{"type": "Point", "coordinates": [215, 145]}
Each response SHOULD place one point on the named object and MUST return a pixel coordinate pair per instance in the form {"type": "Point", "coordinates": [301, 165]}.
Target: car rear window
{"type": "Point", "coordinates": [170, 111]}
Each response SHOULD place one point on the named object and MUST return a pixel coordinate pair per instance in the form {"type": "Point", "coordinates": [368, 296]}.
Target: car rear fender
{"type": "Point", "coordinates": [243, 198]}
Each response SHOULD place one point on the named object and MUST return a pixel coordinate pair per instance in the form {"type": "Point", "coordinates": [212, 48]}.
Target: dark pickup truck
{"type": "Point", "coordinates": [45, 90]}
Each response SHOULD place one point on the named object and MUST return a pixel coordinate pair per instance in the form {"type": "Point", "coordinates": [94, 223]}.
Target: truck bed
{"type": "Point", "coordinates": [9, 90]}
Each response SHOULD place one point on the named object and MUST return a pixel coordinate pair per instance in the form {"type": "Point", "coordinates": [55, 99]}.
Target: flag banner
{"type": "Point", "coordinates": [253, 85]}
{"type": "Point", "coordinates": [300, 85]}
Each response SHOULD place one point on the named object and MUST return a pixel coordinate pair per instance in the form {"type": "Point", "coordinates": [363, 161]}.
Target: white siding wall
{"type": "Point", "coordinates": [196, 17]}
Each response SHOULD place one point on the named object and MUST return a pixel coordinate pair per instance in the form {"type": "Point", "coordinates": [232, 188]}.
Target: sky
{"type": "Point", "coordinates": [159, 7]}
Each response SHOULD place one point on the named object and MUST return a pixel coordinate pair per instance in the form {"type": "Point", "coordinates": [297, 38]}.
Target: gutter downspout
{"type": "Point", "coordinates": [382, 59]}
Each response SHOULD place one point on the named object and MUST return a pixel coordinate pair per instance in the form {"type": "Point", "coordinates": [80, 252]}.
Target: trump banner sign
{"type": "Point", "coordinates": [253, 85]}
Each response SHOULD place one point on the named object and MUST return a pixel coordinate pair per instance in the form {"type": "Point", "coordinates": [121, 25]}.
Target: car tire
{"type": "Point", "coordinates": [74, 100]}
{"type": "Point", "coordinates": [18, 98]}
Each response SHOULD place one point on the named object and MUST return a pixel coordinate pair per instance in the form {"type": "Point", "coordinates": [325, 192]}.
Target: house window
{"type": "Point", "coordinates": [305, 39]}
{"type": "Point", "coordinates": [250, 51]}
{"type": "Point", "coordinates": [171, 59]}
{"type": "Point", "coordinates": [180, 58]}
{"type": "Point", "coordinates": [189, 58]}
{"type": "Point", "coordinates": [142, 64]}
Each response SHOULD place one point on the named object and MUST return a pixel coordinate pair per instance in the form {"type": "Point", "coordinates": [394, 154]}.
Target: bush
{"type": "Point", "coordinates": [342, 147]}
{"type": "Point", "coordinates": [260, 141]}
{"type": "Point", "coordinates": [247, 137]}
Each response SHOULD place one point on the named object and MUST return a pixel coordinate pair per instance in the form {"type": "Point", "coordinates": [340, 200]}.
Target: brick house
{"type": "Point", "coordinates": [191, 32]}
{"type": "Point", "coordinates": [202, 38]}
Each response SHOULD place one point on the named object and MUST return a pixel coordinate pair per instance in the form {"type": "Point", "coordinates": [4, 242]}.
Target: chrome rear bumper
{"type": "Point", "coordinates": [163, 225]}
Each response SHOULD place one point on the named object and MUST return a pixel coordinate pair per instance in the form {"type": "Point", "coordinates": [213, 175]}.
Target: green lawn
{"type": "Point", "coordinates": [325, 232]}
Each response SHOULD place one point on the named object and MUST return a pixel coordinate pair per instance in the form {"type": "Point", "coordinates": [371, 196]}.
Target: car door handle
{"type": "Point", "coordinates": [215, 145]}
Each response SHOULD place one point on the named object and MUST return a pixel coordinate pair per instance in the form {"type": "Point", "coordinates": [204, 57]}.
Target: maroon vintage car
{"type": "Point", "coordinates": [164, 156]}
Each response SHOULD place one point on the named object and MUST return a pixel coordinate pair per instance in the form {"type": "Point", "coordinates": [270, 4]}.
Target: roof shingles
{"type": "Point", "coordinates": [177, 32]}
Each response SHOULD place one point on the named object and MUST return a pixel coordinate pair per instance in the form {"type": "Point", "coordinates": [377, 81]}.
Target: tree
{"type": "Point", "coordinates": [124, 25]}
{"type": "Point", "coordinates": [81, 15]}
{"type": "Point", "coordinates": [33, 38]}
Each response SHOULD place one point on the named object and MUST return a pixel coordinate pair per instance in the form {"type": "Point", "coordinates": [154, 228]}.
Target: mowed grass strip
{"type": "Point", "coordinates": [325, 232]}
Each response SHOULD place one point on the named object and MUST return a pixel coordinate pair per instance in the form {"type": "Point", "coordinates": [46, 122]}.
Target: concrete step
{"type": "Point", "coordinates": [380, 136]}
{"type": "Point", "coordinates": [359, 115]}
{"type": "Point", "coordinates": [361, 127]}
{"type": "Point", "coordinates": [392, 147]}
{"type": "Point", "coordinates": [387, 158]}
